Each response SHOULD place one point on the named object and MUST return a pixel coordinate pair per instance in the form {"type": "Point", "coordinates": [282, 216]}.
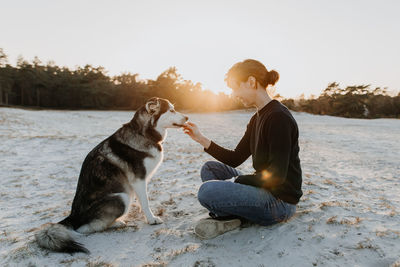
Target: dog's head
{"type": "Point", "coordinates": [163, 114]}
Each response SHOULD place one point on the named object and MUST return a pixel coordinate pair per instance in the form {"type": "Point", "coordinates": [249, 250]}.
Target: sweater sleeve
{"type": "Point", "coordinates": [234, 157]}
{"type": "Point", "coordinates": [278, 134]}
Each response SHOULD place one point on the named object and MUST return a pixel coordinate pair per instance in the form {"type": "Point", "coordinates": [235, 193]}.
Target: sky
{"type": "Point", "coordinates": [310, 42]}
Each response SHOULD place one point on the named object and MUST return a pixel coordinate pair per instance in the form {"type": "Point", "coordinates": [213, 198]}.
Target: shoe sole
{"type": "Point", "coordinates": [210, 228]}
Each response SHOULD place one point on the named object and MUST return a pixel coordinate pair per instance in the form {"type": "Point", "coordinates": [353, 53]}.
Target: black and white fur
{"type": "Point", "coordinates": [112, 173]}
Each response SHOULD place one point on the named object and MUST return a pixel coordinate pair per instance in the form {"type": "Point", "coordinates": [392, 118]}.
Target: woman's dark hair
{"type": "Point", "coordinates": [250, 67]}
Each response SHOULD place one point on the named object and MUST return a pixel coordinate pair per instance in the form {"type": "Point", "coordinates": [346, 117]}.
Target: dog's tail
{"type": "Point", "coordinates": [59, 237]}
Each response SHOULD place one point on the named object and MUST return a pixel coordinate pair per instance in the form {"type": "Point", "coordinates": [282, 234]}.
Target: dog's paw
{"type": "Point", "coordinates": [118, 224]}
{"type": "Point", "coordinates": [155, 220]}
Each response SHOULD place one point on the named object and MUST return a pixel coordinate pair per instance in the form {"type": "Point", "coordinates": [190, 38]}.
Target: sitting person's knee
{"type": "Point", "coordinates": [205, 170]}
{"type": "Point", "coordinates": [205, 192]}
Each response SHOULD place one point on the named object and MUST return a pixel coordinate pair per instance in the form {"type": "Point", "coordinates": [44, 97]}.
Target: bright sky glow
{"type": "Point", "coordinates": [310, 43]}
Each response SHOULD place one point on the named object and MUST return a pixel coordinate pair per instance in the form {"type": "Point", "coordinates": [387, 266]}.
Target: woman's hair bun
{"type": "Point", "coordinates": [241, 72]}
{"type": "Point", "coordinates": [272, 77]}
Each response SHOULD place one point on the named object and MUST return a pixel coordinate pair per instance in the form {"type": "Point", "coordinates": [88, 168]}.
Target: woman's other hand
{"type": "Point", "coordinates": [193, 131]}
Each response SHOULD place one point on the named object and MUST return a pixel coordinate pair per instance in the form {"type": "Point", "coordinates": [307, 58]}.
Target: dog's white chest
{"type": "Point", "coordinates": [152, 163]}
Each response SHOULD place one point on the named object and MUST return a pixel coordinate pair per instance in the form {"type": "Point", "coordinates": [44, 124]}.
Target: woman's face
{"type": "Point", "coordinates": [245, 91]}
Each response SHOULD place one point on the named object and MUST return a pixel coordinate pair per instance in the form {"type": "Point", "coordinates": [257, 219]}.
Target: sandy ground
{"type": "Point", "coordinates": [348, 216]}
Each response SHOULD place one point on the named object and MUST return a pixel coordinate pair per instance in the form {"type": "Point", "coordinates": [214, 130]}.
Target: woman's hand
{"type": "Point", "coordinates": [193, 131]}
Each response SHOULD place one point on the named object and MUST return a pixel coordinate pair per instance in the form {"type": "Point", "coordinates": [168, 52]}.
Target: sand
{"type": "Point", "coordinates": [348, 215]}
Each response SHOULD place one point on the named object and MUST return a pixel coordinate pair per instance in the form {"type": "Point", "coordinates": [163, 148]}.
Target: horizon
{"type": "Point", "coordinates": [310, 44]}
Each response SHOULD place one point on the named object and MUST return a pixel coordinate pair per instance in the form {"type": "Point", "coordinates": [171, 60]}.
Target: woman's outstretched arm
{"type": "Point", "coordinates": [193, 131]}
{"type": "Point", "coordinates": [232, 158]}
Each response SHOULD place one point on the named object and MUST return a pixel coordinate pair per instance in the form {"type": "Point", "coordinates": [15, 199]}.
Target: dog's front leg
{"type": "Point", "coordinates": [140, 187]}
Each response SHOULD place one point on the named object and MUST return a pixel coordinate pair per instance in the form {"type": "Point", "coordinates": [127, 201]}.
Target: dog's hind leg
{"type": "Point", "coordinates": [140, 187]}
{"type": "Point", "coordinates": [104, 213]}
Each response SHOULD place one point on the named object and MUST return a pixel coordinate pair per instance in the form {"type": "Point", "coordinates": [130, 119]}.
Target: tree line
{"type": "Point", "coordinates": [34, 84]}
{"type": "Point", "coordinates": [359, 101]}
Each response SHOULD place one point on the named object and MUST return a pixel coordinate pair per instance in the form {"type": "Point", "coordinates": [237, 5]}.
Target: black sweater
{"type": "Point", "coordinates": [272, 140]}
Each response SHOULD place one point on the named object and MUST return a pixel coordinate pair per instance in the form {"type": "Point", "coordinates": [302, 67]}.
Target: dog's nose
{"type": "Point", "coordinates": [186, 118]}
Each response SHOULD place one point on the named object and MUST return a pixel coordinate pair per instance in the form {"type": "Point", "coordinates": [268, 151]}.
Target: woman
{"type": "Point", "coordinates": [270, 194]}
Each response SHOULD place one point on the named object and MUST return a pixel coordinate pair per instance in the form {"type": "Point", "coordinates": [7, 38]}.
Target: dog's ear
{"type": "Point", "coordinates": [152, 105]}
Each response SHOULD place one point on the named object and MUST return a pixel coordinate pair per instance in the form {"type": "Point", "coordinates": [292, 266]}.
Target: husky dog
{"type": "Point", "coordinates": [111, 173]}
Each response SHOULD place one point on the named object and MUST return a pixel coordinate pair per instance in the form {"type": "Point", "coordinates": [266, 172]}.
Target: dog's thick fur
{"type": "Point", "coordinates": [111, 173]}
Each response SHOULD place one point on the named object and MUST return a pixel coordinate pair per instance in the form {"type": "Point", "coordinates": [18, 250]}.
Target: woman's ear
{"type": "Point", "coordinates": [252, 82]}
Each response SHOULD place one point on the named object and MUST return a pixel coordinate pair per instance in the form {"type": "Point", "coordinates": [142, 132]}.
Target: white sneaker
{"type": "Point", "coordinates": [209, 228]}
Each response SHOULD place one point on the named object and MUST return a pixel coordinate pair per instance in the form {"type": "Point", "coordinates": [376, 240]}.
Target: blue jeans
{"type": "Point", "coordinates": [225, 198]}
